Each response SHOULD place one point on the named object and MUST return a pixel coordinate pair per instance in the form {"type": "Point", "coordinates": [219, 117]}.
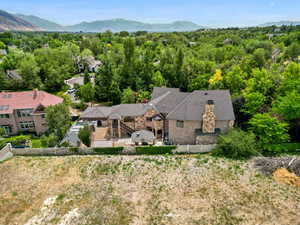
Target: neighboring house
{"type": "Point", "coordinates": [13, 75]}
{"type": "Point", "coordinates": [75, 80]}
{"type": "Point", "coordinates": [25, 111]}
{"type": "Point", "coordinates": [3, 52]}
{"type": "Point", "coordinates": [180, 117]}
{"type": "Point", "coordinates": [92, 64]}
{"type": "Point", "coordinates": [78, 80]}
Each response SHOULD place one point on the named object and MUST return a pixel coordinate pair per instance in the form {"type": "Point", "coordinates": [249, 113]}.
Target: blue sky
{"type": "Point", "coordinates": [214, 13]}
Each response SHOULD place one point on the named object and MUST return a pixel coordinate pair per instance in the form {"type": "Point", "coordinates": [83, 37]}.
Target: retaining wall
{"type": "Point", "coordinates": [181, 149]}
{"type": "Point", "coordinates": [5, 153]}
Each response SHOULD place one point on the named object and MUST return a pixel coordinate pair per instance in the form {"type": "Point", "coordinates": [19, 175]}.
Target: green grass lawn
{"type": "Point", "coordinates": [36, 143]}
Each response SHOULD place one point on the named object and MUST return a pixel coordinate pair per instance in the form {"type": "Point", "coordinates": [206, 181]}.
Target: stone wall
{"type": "Point", "coordinates": [194, 149]}
{"type": "Point", "coordinates": [206, 139]}
{"type": "Point", "coordinates": [89, 151]}
{"type": "Point", "coordinates": [5, 153]}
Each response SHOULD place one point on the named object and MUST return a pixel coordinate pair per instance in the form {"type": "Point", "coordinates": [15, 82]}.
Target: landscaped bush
{"type": "Point", "coordinates": [277, 149]}
{"type": "Point", "coordinates": [18, 141]}
{"type": "Point", "coordinates": [85, 134]}
{"type": "Point", "coordinates": [154, 150]}
{"type": "Point", "coordinates": [109, 150]}
{"type": "Point", "coordinates": [237, 144]}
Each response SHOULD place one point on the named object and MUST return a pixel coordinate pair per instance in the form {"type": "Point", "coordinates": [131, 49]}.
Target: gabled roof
{"type": "Point", "coordinates": [115, 112]}
{"type": "Point", "coordinates": [159, 91]}
{"type": "Point", "coordinates": [130, 109]}
{"type": "Point", "coordinates": [192, 107]}
{"type": "Point", "coordinates": [168, 101]}
{"type": "Point", "coordinates": [96, 112]}
{"type": "Point", "coordinates": [9, 101]}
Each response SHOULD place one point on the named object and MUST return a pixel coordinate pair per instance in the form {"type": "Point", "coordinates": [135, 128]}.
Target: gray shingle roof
{"type": "Point", "coordinates": [130, 109]}
{"type": "Point", "coordinates": [115, 112]}
{"type": "Point", "coordinates": [192, 107]}
{"type": "Point", "coordinates": [168, 101]}
{"type": "Point", "coordinates": [96, 112]}
{"type": "Point", "coordinates": [159, 91]}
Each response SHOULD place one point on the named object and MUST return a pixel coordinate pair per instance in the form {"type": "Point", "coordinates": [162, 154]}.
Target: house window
{"type": "Point", "coordinates": [5, 116]}
{"type": "Point", "coordinates": [27, 125]}
{"type": "Point", "coordinates": [7, 129]}
{"type": "Point", "coordinates": [43, 116]}
{"type": "Point", "coordinates": [24, 112]}
{"type": "Point", "coordinates": [180, 124]}
{"type": "Point", "coordinates": [128, 119]}
{"type": "Point", "coordinates": [149, 119]}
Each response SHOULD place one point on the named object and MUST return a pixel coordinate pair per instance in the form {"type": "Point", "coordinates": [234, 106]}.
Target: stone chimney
{"type": "Point", "coordinates": [35, 93]}
{"type": "Point", "coordinates": [209, 118]}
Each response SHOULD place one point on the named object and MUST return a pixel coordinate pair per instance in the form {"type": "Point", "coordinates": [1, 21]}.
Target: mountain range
{"type": "Point", "coordinates": [12, 22]}
{"type": "Point", "coordinates": [20, 22]}
{"type": "Point", "coordinates": [33, 23]}
{"type": "Point", "coordinates": [115, 25]}
{"type": "Point", "coordinates": [280, 23]}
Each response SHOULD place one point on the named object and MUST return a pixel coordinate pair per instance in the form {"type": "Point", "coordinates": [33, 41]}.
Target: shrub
{"type": "Point", "coordinates": [2, 131]}
{"type": "Point", "coordinates": [49, 141]}
{"type": "Point", "coordinates": [15, 141]}
{"type": "Point", "coordinates": [237, 144]}
{"type": "Point", "coordinates": [85, 135]}
{"type": "Point", "coordinates": [74, 149]}
{"type": "Point", "coordinates": [109, 150]}
{"type": "Point", "coordinates": [277, 149]}
{"type": "Point", "coordinates": [268, 129]}
{"type": "Point", "coordinates": [154, 150]}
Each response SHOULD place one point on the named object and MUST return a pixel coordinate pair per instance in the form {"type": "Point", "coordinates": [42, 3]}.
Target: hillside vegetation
{"type": "Point", "coordinates": [141, 190]}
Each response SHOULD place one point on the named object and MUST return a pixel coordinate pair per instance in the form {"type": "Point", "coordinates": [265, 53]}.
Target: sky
{"type": "Point", "coordinates": [212, 13]}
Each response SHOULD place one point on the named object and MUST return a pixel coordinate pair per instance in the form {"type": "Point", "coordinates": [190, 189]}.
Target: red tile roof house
{"type": "Point", "coordinates": [25, 111]}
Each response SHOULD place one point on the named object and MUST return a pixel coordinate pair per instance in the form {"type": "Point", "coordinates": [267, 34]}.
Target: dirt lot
{"type": "Point", "coordinates": [140, 190]}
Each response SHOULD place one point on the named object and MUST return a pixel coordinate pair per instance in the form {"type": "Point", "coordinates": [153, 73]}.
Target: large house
{"type": "Point", "coordinates": [179, 117]}
{"type": "Point", "coordinates": [25, 111]}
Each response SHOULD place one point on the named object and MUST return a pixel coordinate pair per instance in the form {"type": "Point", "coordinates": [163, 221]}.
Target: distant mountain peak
{"type": "Point", "coordinates": [115, 25]}
{"type": "Point", "coordinates": [11, 22]}
{"type": "Point", "coordinates": [280, 23]}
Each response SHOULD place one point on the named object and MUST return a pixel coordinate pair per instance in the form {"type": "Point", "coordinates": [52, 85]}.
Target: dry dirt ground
{"type": "Point", "coordinates": [141, 190]}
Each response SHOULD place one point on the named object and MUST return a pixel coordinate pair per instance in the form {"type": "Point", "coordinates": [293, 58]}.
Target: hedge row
{"type": "Point", "coordinates": [109, 150]}
{"type": "Point", "coordinates": [154, 150]}
{"type": "Point", "coordinates": [283, 148]}
{"type": "Point", "coordinates": [15, 141]}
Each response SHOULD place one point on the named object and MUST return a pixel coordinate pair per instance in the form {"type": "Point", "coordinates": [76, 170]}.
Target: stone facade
{"type": "Point", "coordinates": [136, 123]}
{"type": "Point", "coordinates": [206, 139]}
{"type": "Point", "coordinates": [209, 119]}
{"type": "Point", "coordinates": [14, 122]}
{"type": "Point", "coordinates": [187, 134]}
